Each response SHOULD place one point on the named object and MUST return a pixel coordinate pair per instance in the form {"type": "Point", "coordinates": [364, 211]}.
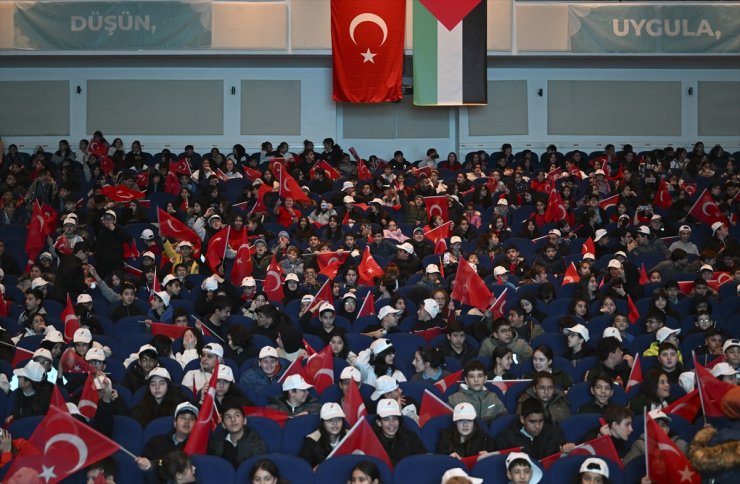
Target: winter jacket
{"type": "Point", "coordinates": [403, 444]}
{"type": "Point", "coordinates": [556, 410]}
{"type": "Point", "coordinates": [486, 403]}
{"type": "Point", "coordinates": [548, 442]}
{"type": "Point", "coordinates": [716, 454]}
{"type": "Point", "coordinates": [249, 445]}
{"type": "Point", "coordinates": [520, 347]}
{"type": "Point", "coordinates": [256, 379]}
{"type": "Point", "coordinates": [449, 442]}
{"type": "Point", "coordinates": [562, 380]}
{"type": "Point", "coordinates": [314, 451]}
{"type": "Point", "coordinates": [638, 447]}
{"type": "Point", "coordinates": [311, 405]}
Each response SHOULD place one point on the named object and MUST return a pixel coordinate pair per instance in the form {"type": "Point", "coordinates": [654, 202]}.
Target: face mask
{"type": "Point", "coordinates": [324, 206]}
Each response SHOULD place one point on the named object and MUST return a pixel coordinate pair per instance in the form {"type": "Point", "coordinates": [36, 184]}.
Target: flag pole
{"type": "Point", "coordinates": [16, 347]}
{"type": "Point", "coordinates": [698, 385]}
{"type": "Point", "coordinates": [644, 430]}
{"type": "Point", "coordinates": [697, 201]}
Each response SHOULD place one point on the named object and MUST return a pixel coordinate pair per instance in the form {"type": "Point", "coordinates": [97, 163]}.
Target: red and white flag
{"type": "Point", "coordinates": [329, 170]}
{"type": "Point", "coordinates": [288, 186]}
{"type": "Point", "coordinates": [497, 308]}
{"type": "Point", "coordinates": [74, 363]}
{"type": "Point", "coordinates": [432, 406]}
{"type": "Point", "coordinates": [242, 264]}
{"type": "Point", "coordinates": [217, 245]}
{"type": "Point", "coordinates": [88, 405]}
{"type": "Point", "coordinates": [448, 381]}
{"type": "Point", "coordinates": [609, 202]}
{"type": "Point", "coordinates": [555, 208]}
{"type": "Point", "coordinates": [324, 294]}
{"type": "Point", "coordinates": [369, 270]}
{"type": "Point", "coordinates": [130, 251]}
{"type": "Point", "coordinates": [363, 172]}
{"type": "Point", "coordinates": [43, 222]}
{"type": "Point", "coordinates": [325, 259]}
{"type": "Point", "coordinates": [121, 193]}
{"type": "Point", "coordinates": [635, 377]}
{"type": "Point", "coordinates": [600, 447]}
{"type": "Point", "coordinates": [707, 211]}
{"type": "Point", "coordinates": [571, 275]}
{"type": "Point", "coordinates": [361, 440]}
{"type": "Point", "coordinates": [367, 41]}
{"type": "Point", "coordinates": [711, 390]}
{"type": "Point", "coordinates": [664, 460]}
{"type": "Point", "coordinates": [439, 233]}
{"type": "Point", "coordinates": [319, 369]}
{"type": "Point", "coordinates": [469, 288]}
{"type": "Point", "coordinates": [663, 197]}
{"type": "Point", "coordinates": [688, 406]}
{"type": "Point", "coordinates": [208, 419]}
{"type": "Point", "coordinates": [353, 405]}
{"type": "Point", "coordinates": [436, 206]}
{"type": "Point", "coordinates": [170, 226]}
{"type": "Point", "coordinates": [273, 285]}
{"type": "Point", "coordinates": [171, 330]}
{"type": "Point", "coordinates": [368, 305]}
{"type": "Point", "coordinates": [588, 247]}
{"type": "Point", "coordinates": [70, 320]}
{"type": "Point", "coordinates": [59, 447]}
{"type": "Point", "coordinates": [172, 184]}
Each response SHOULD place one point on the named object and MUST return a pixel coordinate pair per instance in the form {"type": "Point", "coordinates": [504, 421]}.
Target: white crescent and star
{"type": "Point", "coordinates": [669, 448]}
{"type": "Point", "coordinates": [272, 275]}
{"type": "Point", "coordinates": [74, 440]}
{"type": "Point", "coordinates": [368, 55]}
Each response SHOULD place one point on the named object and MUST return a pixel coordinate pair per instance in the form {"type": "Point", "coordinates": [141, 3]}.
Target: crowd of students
{"type": "Point", "coordinates": [122, 269]}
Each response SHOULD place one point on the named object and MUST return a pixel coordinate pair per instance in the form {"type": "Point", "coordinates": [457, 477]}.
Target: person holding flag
{"type": "Point", "coordinates": [156, 448]}
{"type": "Point", "coordinates": [664, 422]}
{"type": "Point", "coordinates": [33, 394]}
{"type": "Point", "coordinates": [396, 439]}
{"type": "Point", "coordinates": [295, 400]}
{"type": "Point", "coordinates": [239, 442]}
{"type": "Point", "coordinates": [714, 450]}
{"type": "Point", "coordinates": [465, 437]}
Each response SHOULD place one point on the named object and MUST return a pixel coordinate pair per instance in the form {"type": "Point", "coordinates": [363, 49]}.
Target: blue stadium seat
{"type": "Point", "coordinates": [24, 427]}
{"type": "Point", "coordinates": [423, 469]}
{"type": "Point", "coordinates": [158, 426]}
{"type": "Point", "coordinates": [269, 430]}
{"type": "Point", "coordinates": [431, 430]}
{"type": "Point", "coordinates": [576, 427]}
{"type": "Point", "coordinates": [128, 433]}
{"type": "Point", "coordinates": [566, 469]}
{"type": "Point", "coordinates": [295, 430]}
{"type": "Point", "coordinates": [213, 470]}
{"type": "Point", "coordinates": [337, 469]}
{"type": "Point", "coordinates": [580, 394]}
{"type": "Point", "coordinates": [293, 469]}
{"type": "Point", "coordinates": [556, 341]}
{"type": "Point", "coordinates": [492, 469]}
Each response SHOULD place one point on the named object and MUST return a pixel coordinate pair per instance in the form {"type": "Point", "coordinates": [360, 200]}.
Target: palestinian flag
{"type": "Point", "coordinates": [450, 52]}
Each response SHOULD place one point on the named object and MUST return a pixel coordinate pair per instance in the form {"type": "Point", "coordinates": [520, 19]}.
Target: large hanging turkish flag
{"type": "Point", "coordinates": [367, 47]}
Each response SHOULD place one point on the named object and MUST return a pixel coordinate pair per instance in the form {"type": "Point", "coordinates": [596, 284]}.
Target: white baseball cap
{"type": "Point", "coordinates": [249, 282]}
{"type": "Point", "coordinates": [347, 185]}
{"type": "Point", "coordinates": [268, 352]}
{"type": "Point", "coordinates": [32, 371]}
{"type": "Point", "coordinates": [386, 310]}
{"type": "Point", "coordinates": [658, 414]}
{"type": "Point", "coordinates": [149, 254]}
{"type": "Point", "coordinates": [388, 408]}
{"type": "Point", "coordinates": [326, 306]}
{"type": "Point", "coordinates": [209, 284]}
{"type": "Point", "coordinates": [291, 277]}
{"type": "Point", "coordinates": [349, 295]}
{"type": "Point", "coordinates": [431, 306]}
{"type": "Point", "coordinates": [595, 465]}
{"type": "Point", "coordinates": [163, 296]}
{"type": "Point", "coordinates": [656, 217]}
{"type": "Point", "coordinates": [225, 373]}
{"type": "Point", "coordinates": [555, 232]}
{"type": "Point", "coordinates": [38, 282]}
{"type": "Point", "coordinates": [536, 471]}
{"type": "Point", "coordinates": [348, 199]}
{"type": "Point", "coordinates": [54, 336]}
{"type": "Point", "coordinates": [664, 333]}
{"type": "Point", "coordinates": [723, 369]}
{"type": "Point", "coordinates": [84, 299]}
{"type": "Point", "coordinates": [383, 385]}
{"type": "Point", "coordinates": [620, 253]}
{"type": "Point", "coordinates": [331, 410]}
{"type": "Point", "coordinates": [406, 247]}
{"type": "Point", "coordinates": [380, 345]}
{"type": "Point", "coordinates": [643, 229]}
{"type": "Point", "coordinates": [307, 299]}
{"type": "Point", "coordinates": [147, 347]}
{"type": "Point", "coordinates": [167, 279]}
{"type": "Point", "coordinates": [159, 371]}
{"type": "Point", "coordinates": [502, 201]}
{"type": "Point", "coordinates": [186, 407]}
{"type": "Point", "coordinates": [455, 240]}
{"type": "Point", "coordinates": [214, 349]}
{"type": "Point", "coordinates": [432, 269]}
{"type": "Point", "coordinates": [706, 267]}
{"type": "Point", "coordinates": [464, 411]}
{"type": "Point", "coordinates": [599, 172]}
{"type": "Point", "coordinates": [82, 335]}
{"type": "Point", "coordinates": [295, 382]}
{"type": "Point", "coordinates": [185, 243]}
{"type": "Point", "coordinates": [110, 213]}
{"type": "Point", "coordinates": [600, 234]}
{"type": "Point", "coordinates": [615, 264]}
{"type": "Point", "coordinates": [684, 228]}
{"type": "Point", "coordinates": [459, 472]}
{"type": "Point", "coordinates": [43, 353]}
{"type": "Point", "coordinates": [499, 271]}
{"type": "Point", "coordinates": [147, 234]}
{"type": "Point", "coordinates": [70, 221]}
{"type": "Point", "coordinates": [588, 255]}
{"type": "Point", "coordinates": [350, 372]}
{"type": "Point", "coordinates": [579, 329]}
{"type": "Point", "coordinates": [730, 343]}
{"type": "Point", "coordinates": [95, 354]}
{"type": "Point", "coordinates": [716, 226]}
{"type": "Point", "coordinates": [611, 332]}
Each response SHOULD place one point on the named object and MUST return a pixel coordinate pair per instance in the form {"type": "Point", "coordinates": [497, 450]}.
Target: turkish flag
{"type": "Point", "coordinates": [497, 308]}
{"type": "Point", "coordinates": [106, 164]}
{"type": "Point", "coordinates": [180, 167]}
{"type": "Point", "coordinates": [706, 210]}
{"type": "Point", "coordinates": [251, 173]}
{"type": "Point", "coordinates": [432, 406]}
{"type": "Point", "coordinates": [288, 186]}
{"type": "Point", "coordinates": [663, 197]}
{"type": "Point", "coordinates": [643, 275]}
{"type": "Point", "coordinates": [436, 206]}
{"type": "Point", "coordinates": [88, 405]}
{"type": "Point", "coordinates": [170, 226]}
{"type": "Point", "coordinates": [57, 400]}
{"type": "Point", "coordinates": [555, 208]}
{"type": "Point", "coordinates": [74, 363]}
{"type": "Point", "coordinates": [324, 294]}
{"type": "Point", "coordinates": [3, 306]}
{"type": "Point", "coordinates": [363, 172]}
{"type": "Point", "coordinates": [688, 406]}
{"type": "Point", "coordinates": [60, 446]}
{"type": "Point", "coordinates": [368, 305]}
{"type": "Point", "coordinates": [470, 461]}
{"type": "Point", "coordinates": [242, 265]}
{"type": "Point", "coordinates": [142, 179]}
{"type": "Point", "coordinates": [331, 270]}
{"type": "Point", "coordinates": [470, 288]}
{"type": "Point", "coordinates": [711, 390]}
{"type": "Point", "coordinates": [273, 285]}
{"type": "Point", "coordinates": [121, 193]}
{"type": "Point", "coordinates": [97, 148]}
{"type": "Point", "coordinates": [367, 47]}
{"type": "Point", "coordinates": [588, 247]}
{"type": "Point", "coordinates": [70, 320]}
{"type": "Point", "coordinates": [295, 368]}
{"type": "Point", "coordinates": [571, 275]}
{"type": "Point", "coordinates": [369, 270]}
{"type": "Point", "coordinates": [361, 440]}
{"type": "Point", "coordinates": [353, 405]}
{"type": "Point", "coordinates": [217, 248]}
{"type": "Point", "coordinates": [635, 377]}
{"type": "Point", "coordinates": [437, 233]}
{"type": "Point", "coordinates": [329, 170]}
{"type": "Point", "coordinates": [448, 381]}
{"type": "Point", "coordinates": [21, 355]}
{"type": "Point", "coordinates": [600, 447]}
{"type": "Point", "coordinates": [221, 175]}
{"type": "Point", "coordinates": [634, 314]}
{"type": "Point", "coordinates": [686, 287]}
{"type": "Point", "coordinates": [208, 419]}
{"type": "Point", "coordinates": [172, 184]}
{"type": "Point", "coordinates": [609, 202]}
{"type": "Point", "coordinates": [130, 251]}
{"type": "Point", "coordinates": [275, 415]}
{"type": "Point", "coordinates": [171, 330]}
{"type": "Point", "coordinates": [319, 369]}
{"type": "Point", "coordinates": [43, 222]}
{"type": "Point", "coordinates": [325, 259]}
{"type": "Point", "coordinates": [665, 461]}
{"type": "Point", "coordinates": [504, 385]}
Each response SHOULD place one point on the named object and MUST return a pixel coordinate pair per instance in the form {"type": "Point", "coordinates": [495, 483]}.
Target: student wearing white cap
{"type": "Point", "coordinates": [266, 370]}
{"type": "Point", "coordinates": [428, 316]}
{"type": "Point", "coordinates": [160, 310]}
{"type": "Point", "coordinates": [664, 421]}
{"type": "Point", "coordinates": [33, 394]}
{"type": "Point", "coordinates": [389, 318]}
{"type": "Point", "coordinates": [318, 444]}
{"type": "Point", "coordinates": [109, 240]}
{"type": "Point", "coordinates": [464, 437]}
{"type": "Point", "coordinates": [211, 356]}
{"type": "Point", "coordinates": [160, 399]}
{"type": "Point", "coordinates": [142, 363]}
{"type": "Point", "coordinates": [186, 414]}
{"type": "Point", "coordinates": [396, 439]}
{"type": "Point", "coordinates": [296, 399]}
{"type": "Point", "coordinates": [226, 389]}
{"type": "Point", "coordinates": [578, 336]}
{"type": "Point", "coordinates": [376, 361]}
{"type": "Point", "coordinates": [593, 471]}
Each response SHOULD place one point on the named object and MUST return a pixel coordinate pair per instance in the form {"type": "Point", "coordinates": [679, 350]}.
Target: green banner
{"type": "Point", "coordinates": [659, 29]}
{"type": "Point", "coordinates": [112, 25]}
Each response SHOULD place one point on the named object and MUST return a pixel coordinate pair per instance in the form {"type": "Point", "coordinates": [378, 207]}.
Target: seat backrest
{"type": "Point", "coordinates": [576, 427]}
{"type": "Point", "coordinates": [158, 426]}
{"type": "Point", "coordinates": [269, 431]}
{"type": "Point", "coordinates": [423, 469]}
{"type": "Point", "coordinates": [431, 430]}
{"type": "Point", "coordinates": [295, 430]}
{"type": "Point", "coordinates": [292, 469]}
{"type": "Point", "coordinates": [128, 433]}
{"type": "Point", "coordinates": [337, 469]}
{"type": "Point", "coordinates": [566, 469]}
{"type": "Point", "coordinates": [216, 468]}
